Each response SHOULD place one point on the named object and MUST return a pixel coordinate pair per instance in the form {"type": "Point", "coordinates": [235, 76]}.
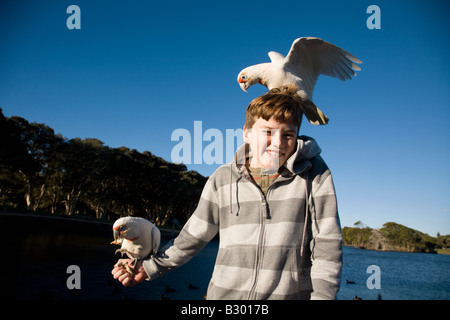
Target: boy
{"type": "Point", "coordinates": [275, 210]}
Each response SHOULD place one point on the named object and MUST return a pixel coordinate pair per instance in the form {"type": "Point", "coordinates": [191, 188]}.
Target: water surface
{"type": "Point", "coordinates": [40, 251]}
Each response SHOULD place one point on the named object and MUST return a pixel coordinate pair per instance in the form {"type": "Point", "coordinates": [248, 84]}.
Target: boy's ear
{"type": "Point", "coordinates": [246, 134]}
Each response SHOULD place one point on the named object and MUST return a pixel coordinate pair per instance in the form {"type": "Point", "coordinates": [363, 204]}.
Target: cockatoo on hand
{"type": "Point", "coordinates": [308, 58]}
{"type": "Point", "coordinates": [138, 238]}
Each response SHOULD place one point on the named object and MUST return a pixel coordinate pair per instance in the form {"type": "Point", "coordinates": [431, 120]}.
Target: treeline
{"type": "Point", "coordinates": [393, 237]}
{"type": "Point", "coordinates": [43, 171]}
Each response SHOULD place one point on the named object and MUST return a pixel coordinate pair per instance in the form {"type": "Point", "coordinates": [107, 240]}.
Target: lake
{"type": "Point", "coordinates": [39, 251]}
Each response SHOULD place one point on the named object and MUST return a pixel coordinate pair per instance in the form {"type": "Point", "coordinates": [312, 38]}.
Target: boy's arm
{"type": "Point", "coordinates": [326, 245]}
{"type": "Point", "coordinates": [201, 227]}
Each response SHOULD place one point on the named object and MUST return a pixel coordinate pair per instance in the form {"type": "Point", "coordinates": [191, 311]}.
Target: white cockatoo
{"type": "Point", "coordinates": [308, 58]}
{"type": "Point", "coordinates": [138, 237]}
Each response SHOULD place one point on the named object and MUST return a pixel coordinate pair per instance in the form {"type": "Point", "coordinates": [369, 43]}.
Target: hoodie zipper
{"type": "Point", "coordinates": [259, 250]}
{"type": "Point", "coordinates": [264, 216]}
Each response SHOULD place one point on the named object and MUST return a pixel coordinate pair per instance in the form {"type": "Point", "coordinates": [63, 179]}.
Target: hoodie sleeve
{"type": "Point", "coordinates": [201, 227]}
{"type": "Point", "coordinates": [326, 244]}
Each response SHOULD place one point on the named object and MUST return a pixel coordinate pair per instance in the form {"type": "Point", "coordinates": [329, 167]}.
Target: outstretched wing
{"type": "Point", "coordinates": [310, 57]}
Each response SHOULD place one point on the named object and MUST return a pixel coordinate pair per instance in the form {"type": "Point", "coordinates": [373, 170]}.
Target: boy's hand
{"type": "Point", "coordinates": [127, 280]}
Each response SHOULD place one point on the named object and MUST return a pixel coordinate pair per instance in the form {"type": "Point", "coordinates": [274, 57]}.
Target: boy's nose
{"type": "Point", "coordinates": [275, 139]}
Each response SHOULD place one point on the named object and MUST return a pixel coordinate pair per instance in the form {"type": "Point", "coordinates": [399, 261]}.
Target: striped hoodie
{"type": "Point", "coordinates": [266, 250]}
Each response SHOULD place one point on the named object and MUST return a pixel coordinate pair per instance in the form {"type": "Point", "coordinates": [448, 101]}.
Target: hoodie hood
{"type": "Point", "coordinates": [307, 148]}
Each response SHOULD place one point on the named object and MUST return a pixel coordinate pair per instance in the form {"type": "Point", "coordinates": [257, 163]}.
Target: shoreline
{"type": "Point", "coordinates": [438, 251]}
{"type": "Point", "coordinates": [55, 217]}
{"type": "Point", "coordinates": [86, 224]}
{"type": "Point", "coordinates": [90, 224]}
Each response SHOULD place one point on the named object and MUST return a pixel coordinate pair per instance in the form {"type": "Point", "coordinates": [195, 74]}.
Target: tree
{"type": "Point", "coordinates": [358, 236]}
{"type": "Point", "coordinates": [26, 149]}
{"type": "Point", "coordinates": [410, 239]}
{"type": "Point", "coordinates": [43, 171]}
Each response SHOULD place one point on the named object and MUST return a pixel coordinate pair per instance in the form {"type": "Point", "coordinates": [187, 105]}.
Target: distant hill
{"type": "Point", "coordinates": [393, 237]}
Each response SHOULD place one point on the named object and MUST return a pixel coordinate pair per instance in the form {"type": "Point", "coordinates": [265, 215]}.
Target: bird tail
{"type": "Point", "coordinates": [313, 114]}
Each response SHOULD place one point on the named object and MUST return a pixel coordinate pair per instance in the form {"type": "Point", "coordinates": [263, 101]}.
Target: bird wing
{"type": "Point", "coordinates": [275, 56]}
{"type": "Point", "coordinates": [310, 57]}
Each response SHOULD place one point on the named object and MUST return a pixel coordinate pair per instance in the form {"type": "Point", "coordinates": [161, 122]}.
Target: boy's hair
{"type": "Point", "coordinates": [280, 103]}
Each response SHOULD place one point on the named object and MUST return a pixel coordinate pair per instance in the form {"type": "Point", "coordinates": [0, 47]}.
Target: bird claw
{"type": "Point", "coordinates": [121, 251]}
{"type": "Point", "coordinates": [125, 251]}
{"type": "Point", "coordinates": [125, 266]}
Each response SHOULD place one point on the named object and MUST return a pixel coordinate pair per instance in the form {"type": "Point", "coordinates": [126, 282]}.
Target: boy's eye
{"type": "Point", "coordinates": [290, 136]}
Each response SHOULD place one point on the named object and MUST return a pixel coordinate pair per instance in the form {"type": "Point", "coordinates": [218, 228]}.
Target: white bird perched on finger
{"type": "Point", "coordinates": [308, 58]}
{"type": "Point", "coordinates": [138, 237]}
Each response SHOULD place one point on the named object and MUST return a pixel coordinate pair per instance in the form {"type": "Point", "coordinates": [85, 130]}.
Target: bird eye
{"type": "Point", "coordinates": [244, 77]}
{"type": "Point", "coordinates": [122, 228]}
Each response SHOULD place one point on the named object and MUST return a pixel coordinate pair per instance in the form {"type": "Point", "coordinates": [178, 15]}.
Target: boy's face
{"type": "Point", "coordinates": [271, 142]}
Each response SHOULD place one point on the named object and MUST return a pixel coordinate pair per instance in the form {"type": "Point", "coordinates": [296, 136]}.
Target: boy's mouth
{"type": "Point", "coordinates": [275, 153]}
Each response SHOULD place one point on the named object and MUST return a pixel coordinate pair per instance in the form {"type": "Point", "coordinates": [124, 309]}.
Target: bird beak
{"type": "Point", "coordinates": [243, 86]}
{"type": "Point", "coordinates": [117, 238]}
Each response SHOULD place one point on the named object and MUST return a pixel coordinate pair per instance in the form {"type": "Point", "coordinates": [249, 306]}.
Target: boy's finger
{"type": "Point", "coordinates": [124, 276]}
{"type": "Point", "coordinates": [126, 282]}
{"type": "Point", "coordinates": [120, 272]}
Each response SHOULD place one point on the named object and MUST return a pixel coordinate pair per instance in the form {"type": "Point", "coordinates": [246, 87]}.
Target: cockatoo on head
{"type": "Point", "coordinates": [307, 59]}
{"type": "Point", "coordinates": [138, 237]}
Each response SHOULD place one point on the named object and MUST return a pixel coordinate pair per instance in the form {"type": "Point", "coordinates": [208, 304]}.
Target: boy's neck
{"type": "Point", "coordinates": [261, 170]}
{"type": "Point", "coordinates": [263, 180]}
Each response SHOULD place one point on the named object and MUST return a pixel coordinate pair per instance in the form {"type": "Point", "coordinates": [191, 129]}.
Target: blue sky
{"type": "Point", "coordinates": [138, 70]}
